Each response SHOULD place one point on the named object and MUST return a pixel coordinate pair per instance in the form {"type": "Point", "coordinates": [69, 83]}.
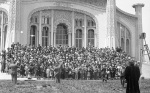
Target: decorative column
{"type": "Point", "coordinates": [52, 27]}
{"type": "Point", "coordinates": [13, 23]}
{"type": "Point", "coordinates": [111, 22]}
{"type": "Point", "coordinates": [2, 34]}
{"type": "Point", "coordinates": [139, 42]}
{"type": "Point", "coordinates": [73, 33]}
{"type": "Point", "coordinates": [40, 28]}
{"type": "Point", "coordinates": [85, 35]}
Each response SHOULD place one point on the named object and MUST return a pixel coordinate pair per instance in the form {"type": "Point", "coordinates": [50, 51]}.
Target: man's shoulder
{"type": "Point", "coordinates": [136, 67]}
{"type": "Point", "coordinates": [128, 67]}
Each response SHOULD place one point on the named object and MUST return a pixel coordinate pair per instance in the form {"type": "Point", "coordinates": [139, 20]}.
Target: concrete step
{"type": "Point", "coordinates": [146, 70]}
{"type": "Point", "coordinates": [5, 76]}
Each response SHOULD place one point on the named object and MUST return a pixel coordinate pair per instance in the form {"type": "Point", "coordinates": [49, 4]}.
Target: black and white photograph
{"type": "Point", "coordinates": [74, 46]}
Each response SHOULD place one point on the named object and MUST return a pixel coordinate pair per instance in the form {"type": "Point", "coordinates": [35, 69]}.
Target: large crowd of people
{"type": "Point", "coordinates": [78, 63]}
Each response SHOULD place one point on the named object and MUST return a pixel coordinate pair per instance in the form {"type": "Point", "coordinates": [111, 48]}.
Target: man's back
{"type": "Point", "coordinates": [132, 72]}
{"type": "Point", "coordinates": [132, 75]}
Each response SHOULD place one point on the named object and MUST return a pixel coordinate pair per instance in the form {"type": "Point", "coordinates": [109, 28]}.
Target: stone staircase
{"type": "Point", "coordinates": [5, 76]}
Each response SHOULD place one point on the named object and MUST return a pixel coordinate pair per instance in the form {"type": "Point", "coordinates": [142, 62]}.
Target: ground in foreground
{"type": "Point", "coordinates": [68, 86]}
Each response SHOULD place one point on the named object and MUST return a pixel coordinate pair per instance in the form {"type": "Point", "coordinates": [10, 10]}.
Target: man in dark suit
{"type": "Point", "coordinates": [132, 75]}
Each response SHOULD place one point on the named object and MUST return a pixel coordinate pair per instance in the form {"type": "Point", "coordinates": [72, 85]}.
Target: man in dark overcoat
{"type": "Point", "coordinates": [132, 75]}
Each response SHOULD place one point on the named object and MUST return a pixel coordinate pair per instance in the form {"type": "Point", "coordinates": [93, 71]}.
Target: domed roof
{"type": "Point", "coordinates": [93, 2]}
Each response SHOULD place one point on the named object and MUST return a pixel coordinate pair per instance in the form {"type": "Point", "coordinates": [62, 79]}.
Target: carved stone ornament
{"type": "Point", "coordinates": [13, 14]}
{"type": "Point", "coordinates": [62, 21]}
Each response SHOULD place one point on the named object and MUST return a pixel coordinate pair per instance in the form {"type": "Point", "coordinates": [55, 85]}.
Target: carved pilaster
{"type": "Point", "coordinates": [13, 23]}
{"type": "Point", "coordinates": [2, 35]}
{"type": "Point", "coordinates": [111, 21]}
{"type": "Point", "coordinates": [52, 27]}
{"type": "Point", "coordinates": [85, 32]}
{"type": "Point", "coordinates": [73, 35]}
{"type": "Point", "coordinates": [40, 28]}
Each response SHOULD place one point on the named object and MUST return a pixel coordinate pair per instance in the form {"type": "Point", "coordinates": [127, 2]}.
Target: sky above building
{"type": "Point", "coordinates": [126, 5]}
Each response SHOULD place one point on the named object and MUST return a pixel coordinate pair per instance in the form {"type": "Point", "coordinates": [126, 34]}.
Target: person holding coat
{"type": "Point", "coordinates": [132, 75]}
{"type": "Point", "coordinates": [57, 71]}
{"type": "Point", "coordinates": [13, 71]}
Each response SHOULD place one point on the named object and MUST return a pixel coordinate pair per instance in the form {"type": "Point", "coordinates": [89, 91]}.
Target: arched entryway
{"type": "Point", "coordinates": [45, 36]}
{"type": "Point", "coordinates": [127, 46]}
{"type": "Point", "coordinates": [91, 37]}
{"type": "Point", "coordinates": [33, 35]}
{"type": "Point", "coordinates": [122, 44]}
{"type": "Point", "coordinates": [79, 38]}
{"type": "Point", "coordinates": [61, 35]}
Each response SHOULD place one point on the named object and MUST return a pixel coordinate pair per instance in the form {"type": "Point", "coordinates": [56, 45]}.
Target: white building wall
{"type": "Point", "coordinates": [130, 21]}
{"type": "Point", "coordinates": [102, 30]}
{"type": "Point", "coordinates": [97, 13]}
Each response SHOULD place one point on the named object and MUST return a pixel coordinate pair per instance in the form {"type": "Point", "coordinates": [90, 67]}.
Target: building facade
{"type": "Point", "coordinates": [79, 23]}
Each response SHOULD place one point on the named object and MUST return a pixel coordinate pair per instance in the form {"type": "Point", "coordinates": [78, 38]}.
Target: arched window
{"type": "Point", "coordinates": [45, 36]}
{"type": "Point", "coordinates": [124, 37]}
{"type": "Point", "coordinates": [61, 35]}
{"type": "Point", "coordinates": [127, 46]}
{"type": "Point", "coordinates": [79, 38]}
{"type": "Point", "coordinates": [91, 37]}
{"type": "Point", "coordinates": [33, 37]}
{"type": "Point", "coordinates": [122, 43]}
{"type": "Point", "coordinates": [5, 34]}
{"type": "Point", "coordinates": [122, 31]}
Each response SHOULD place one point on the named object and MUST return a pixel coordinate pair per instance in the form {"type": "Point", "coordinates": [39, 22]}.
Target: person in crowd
{"type": "Point", "coordinates": [122, 76]}
{"type": "Point", "coordinates": [3, 62]}
{"type": "Point", "coordinates": [78, 63]}
{"type": "Point", "coordinates": [48, 72]}
{"type": "Point", "coordinates": [104, 74]}
{"type": "Point", "coordinates": [76, 73]}
{"type": "Point", "coordinates": [132, 75]}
